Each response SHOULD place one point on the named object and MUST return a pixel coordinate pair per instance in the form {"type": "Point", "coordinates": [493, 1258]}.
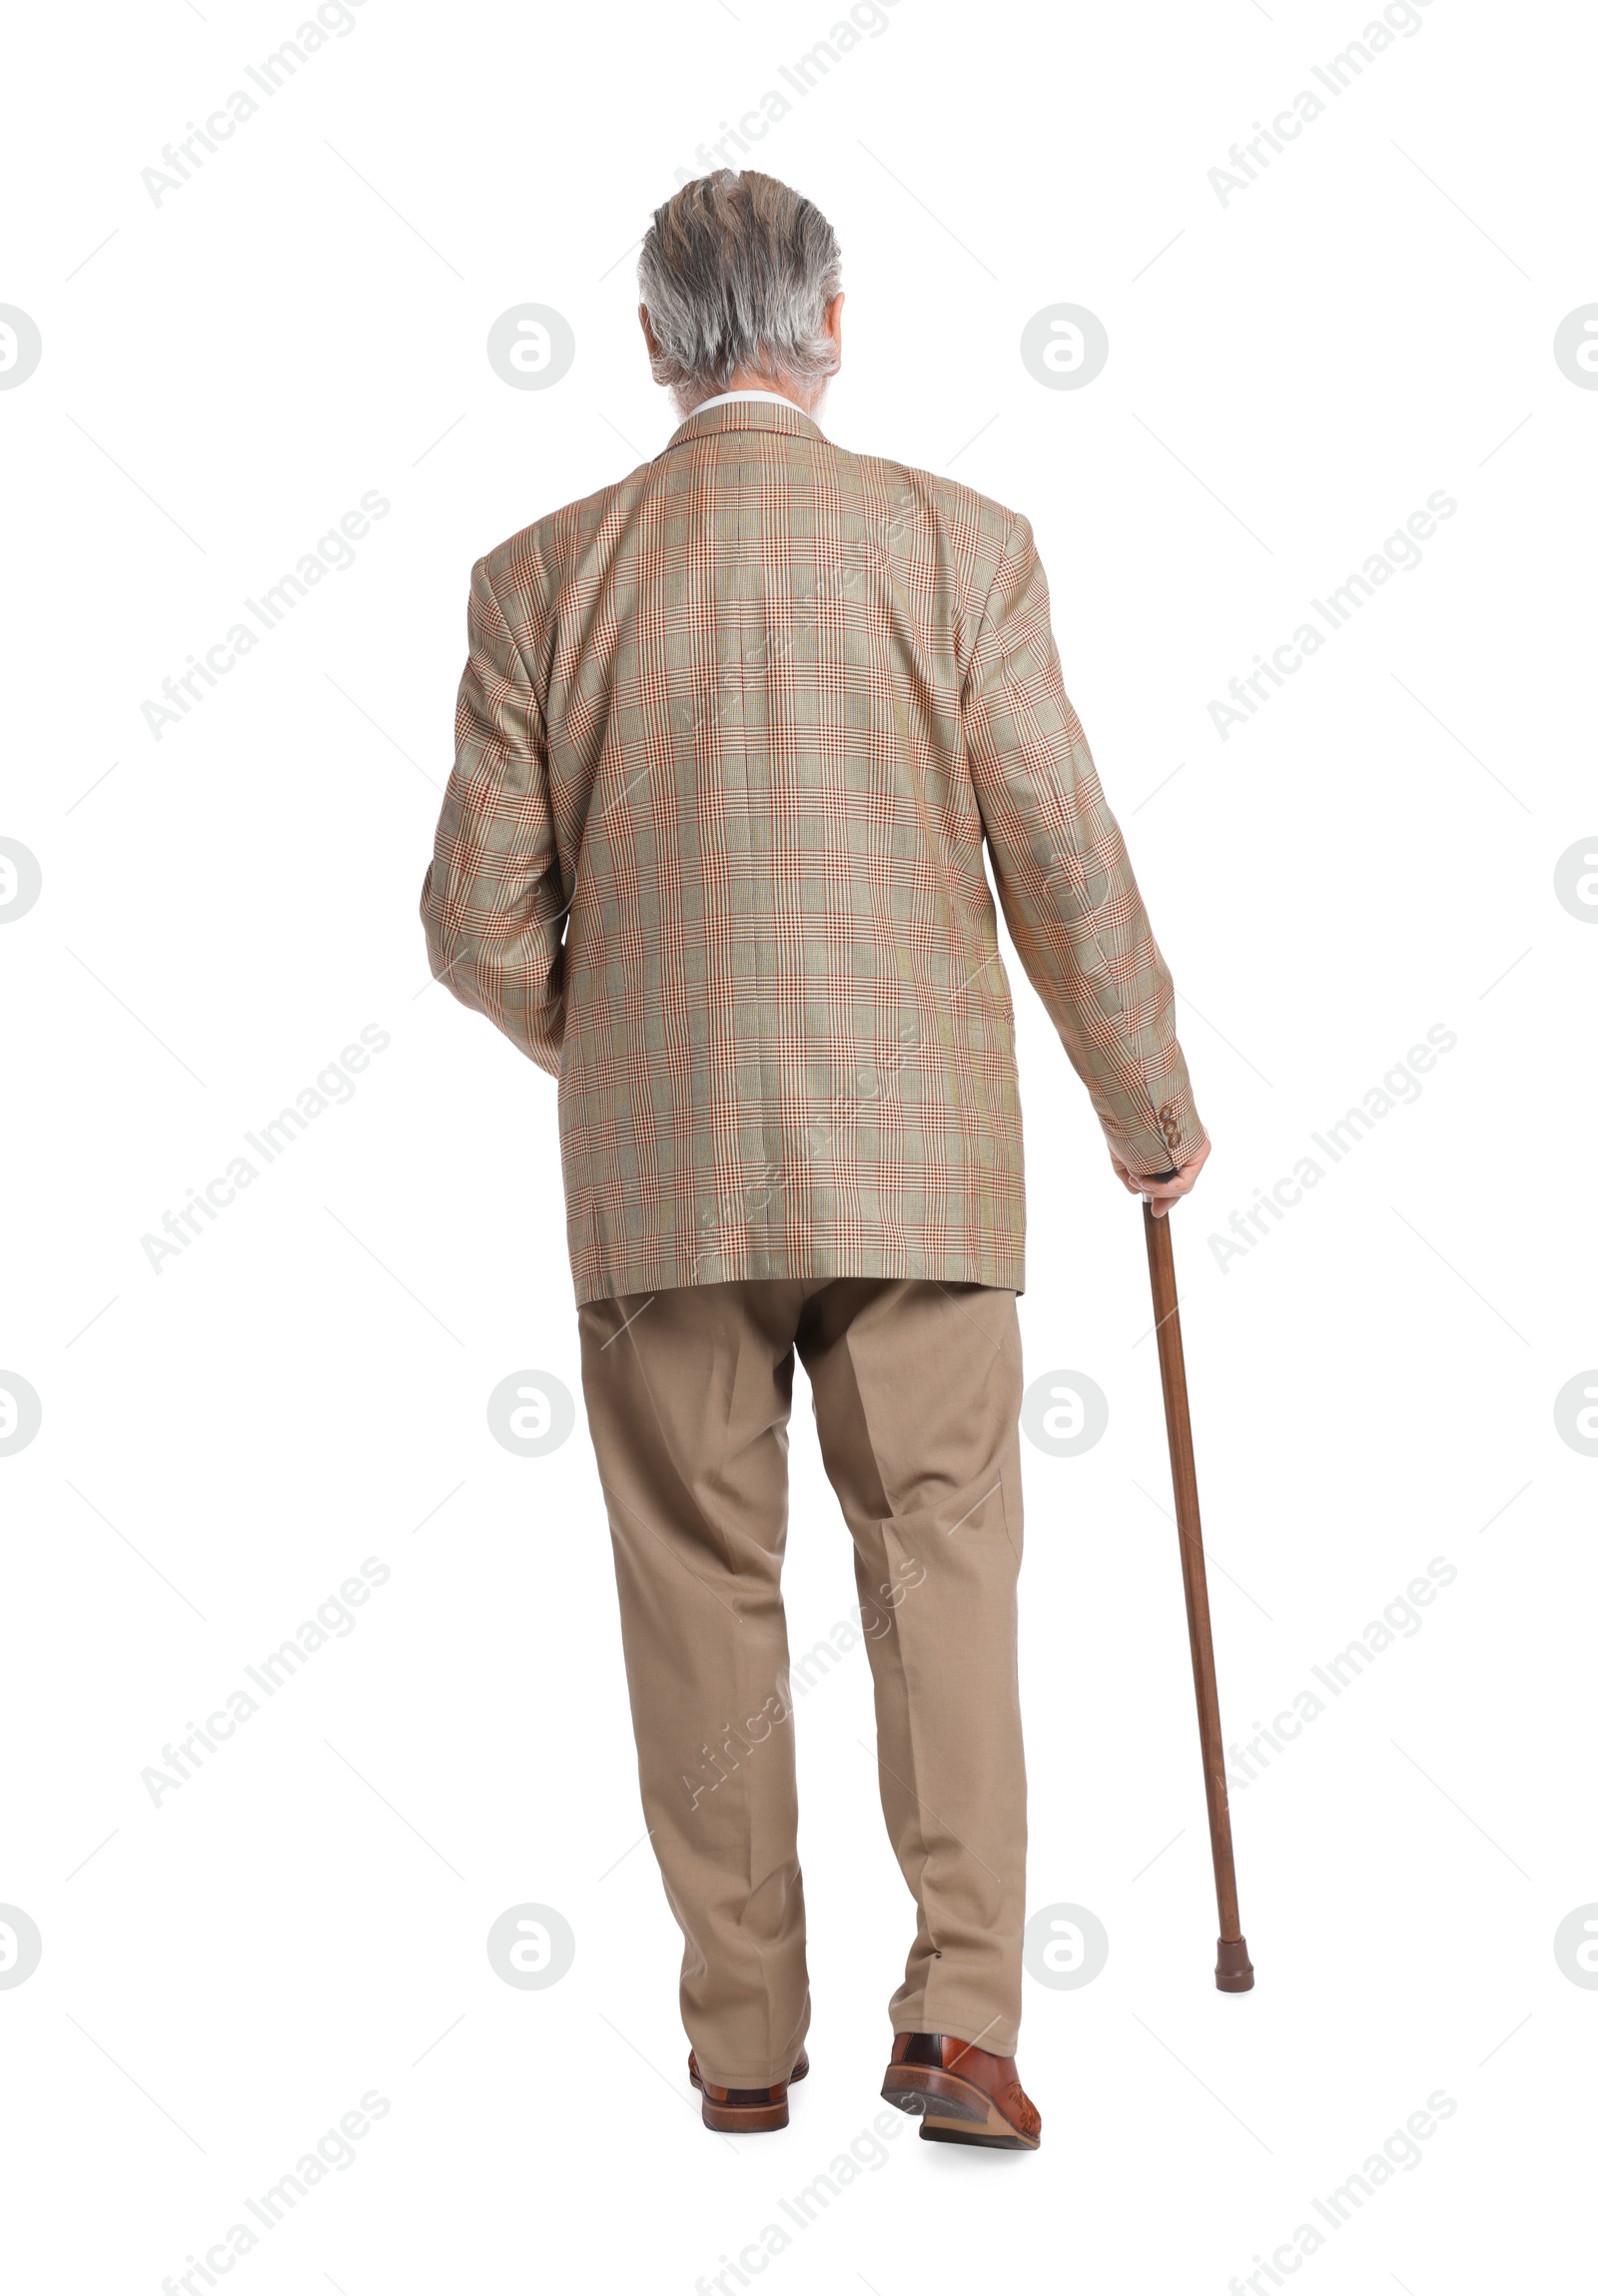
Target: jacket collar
{"type": "Point", "coordinates": [745, 415]}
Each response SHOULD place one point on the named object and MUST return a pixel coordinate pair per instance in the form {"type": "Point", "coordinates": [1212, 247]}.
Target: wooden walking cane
{"type": "Point", "coordinates": [1234, 1972]}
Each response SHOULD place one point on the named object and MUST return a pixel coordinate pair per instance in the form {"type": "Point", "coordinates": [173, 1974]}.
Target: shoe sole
{"type": "Point", "coordinates": [952, 2110]}
{"type": "Point", "coordinates": [745, 2119]}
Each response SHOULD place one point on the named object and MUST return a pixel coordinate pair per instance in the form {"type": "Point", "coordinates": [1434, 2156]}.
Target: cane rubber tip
{"type": "Point", "coordinates": [1234, 1972]}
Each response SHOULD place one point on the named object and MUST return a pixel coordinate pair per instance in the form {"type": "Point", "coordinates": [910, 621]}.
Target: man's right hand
{"type": "Point", "coordinates": [1163, 1193]}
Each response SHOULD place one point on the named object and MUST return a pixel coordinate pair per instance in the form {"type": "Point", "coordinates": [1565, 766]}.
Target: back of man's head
{"type": "Point", "coordinates": [736, 276]}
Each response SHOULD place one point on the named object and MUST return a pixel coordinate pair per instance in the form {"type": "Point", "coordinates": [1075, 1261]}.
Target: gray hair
{"type": "Point", "coordinates": [737, 273]}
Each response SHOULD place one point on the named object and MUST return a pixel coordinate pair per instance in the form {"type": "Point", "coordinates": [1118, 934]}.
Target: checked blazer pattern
{"type": "Point", "coordinates": [730, 740]}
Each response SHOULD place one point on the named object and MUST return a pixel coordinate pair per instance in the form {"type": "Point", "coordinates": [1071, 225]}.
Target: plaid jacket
{"type": "Point", "coordinates": [730, 738]}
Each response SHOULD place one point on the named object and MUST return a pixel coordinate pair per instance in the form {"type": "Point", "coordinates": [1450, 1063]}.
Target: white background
{"type": "Point", "coordinates": [1290, 374]}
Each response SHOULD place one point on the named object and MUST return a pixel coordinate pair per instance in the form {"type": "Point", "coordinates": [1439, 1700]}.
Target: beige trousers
{"type": "Point", "coordinates": [916, 1392]}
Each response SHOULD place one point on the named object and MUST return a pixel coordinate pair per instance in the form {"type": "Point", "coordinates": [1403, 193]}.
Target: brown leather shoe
{"type": "Point", "coordinates": [745, 2111]}
{"type": "Point", "coordinates": [964, 2095]}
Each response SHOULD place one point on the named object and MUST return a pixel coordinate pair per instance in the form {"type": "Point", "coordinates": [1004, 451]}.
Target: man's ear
{"type": "Point", "coordinates": [648, 332]}
{"type": "Point", "coordinates": [832, 322]}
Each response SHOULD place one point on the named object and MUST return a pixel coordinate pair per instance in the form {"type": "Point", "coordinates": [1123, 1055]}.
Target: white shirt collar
{"type": "Point", "coordinates": [725, 398]}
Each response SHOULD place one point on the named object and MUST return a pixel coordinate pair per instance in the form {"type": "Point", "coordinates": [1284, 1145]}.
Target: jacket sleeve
{"type": "Point", "coordinates": [492, 903]}
{"type": "Point", "coordinates": [1068, 895]}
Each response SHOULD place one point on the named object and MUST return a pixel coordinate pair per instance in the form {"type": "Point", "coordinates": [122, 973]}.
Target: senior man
{"type": "Point", "coordinates": [731, 738]}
